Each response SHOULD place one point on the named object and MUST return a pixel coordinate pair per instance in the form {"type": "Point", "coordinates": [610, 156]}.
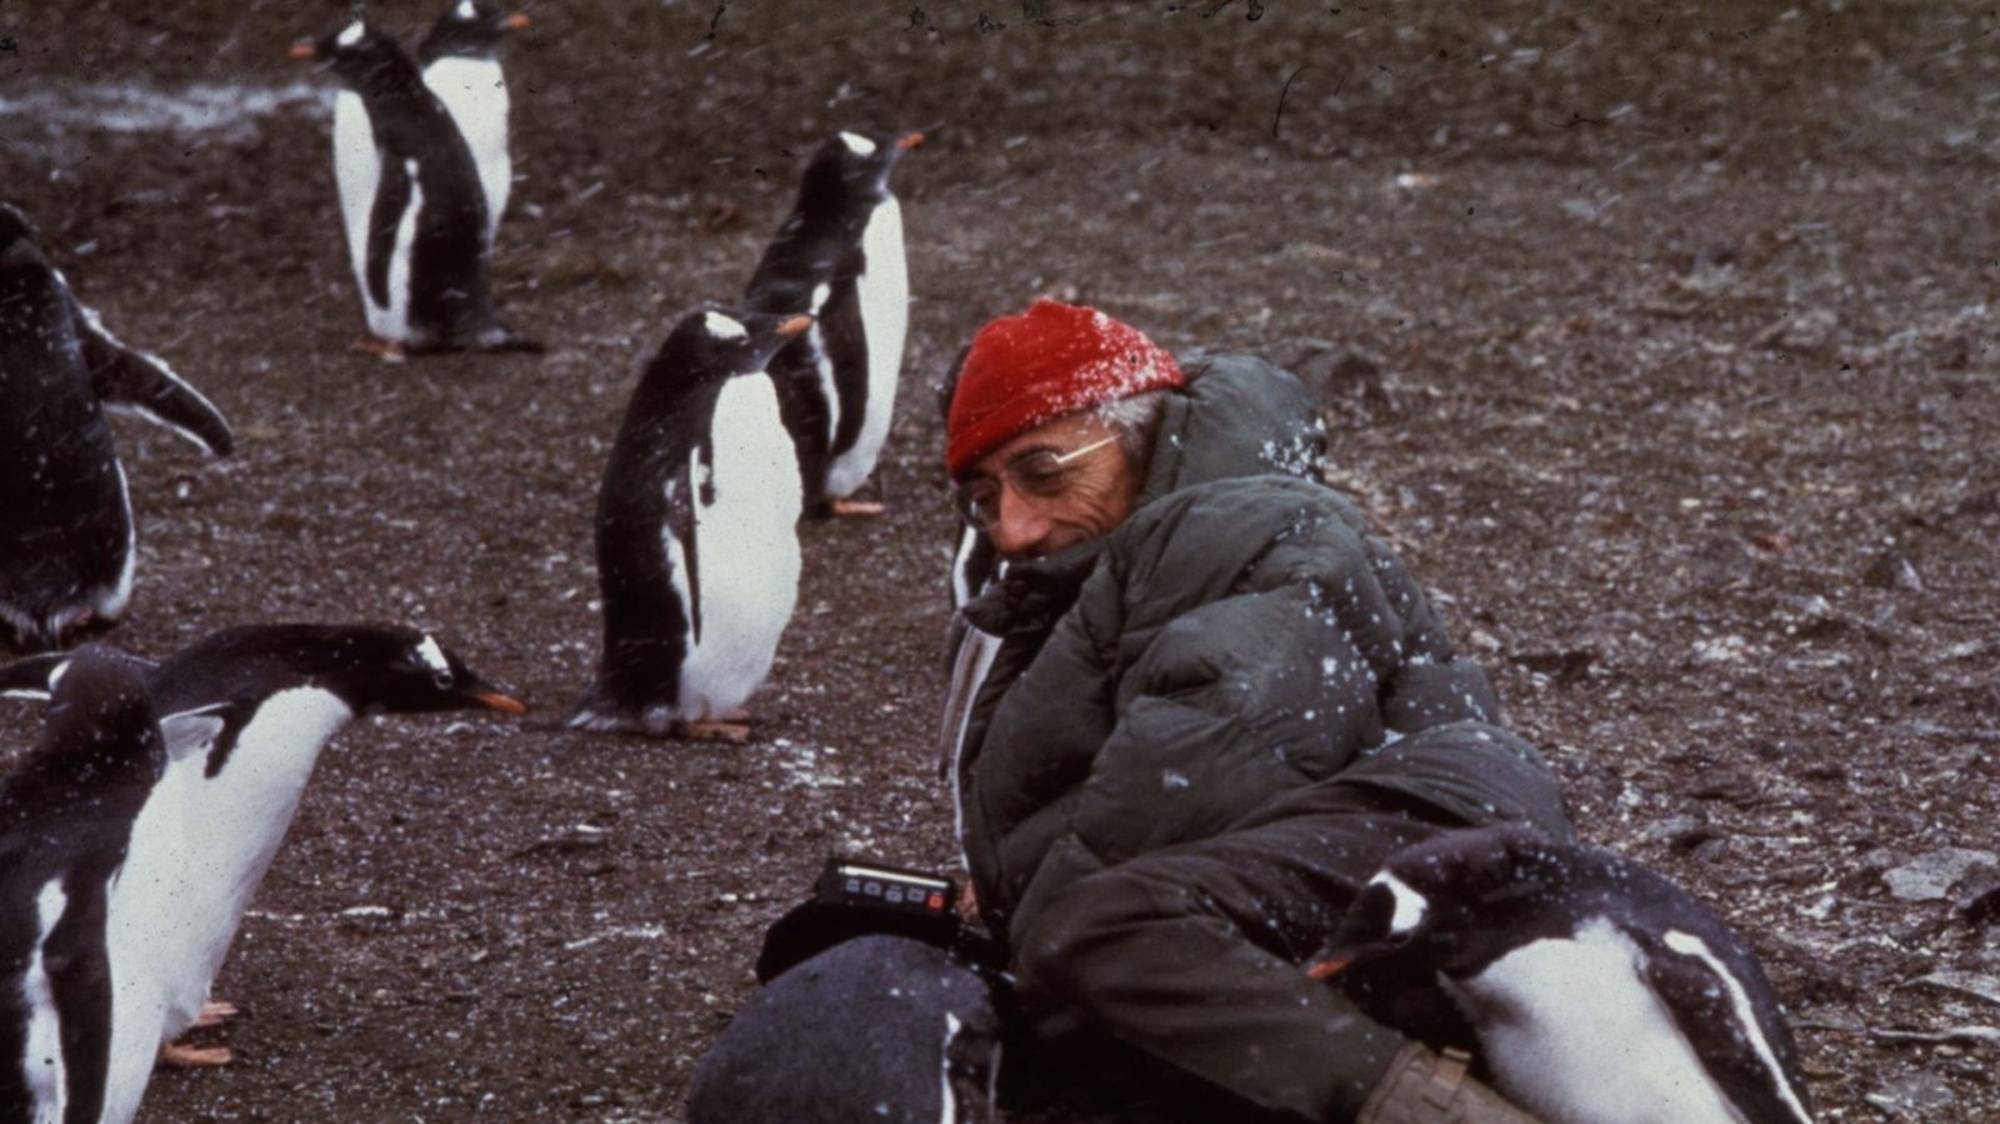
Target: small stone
{"type": "Point", "coordinates": [1920, 1095]}
{"type": "Point", "coordinates": [1930, 877]}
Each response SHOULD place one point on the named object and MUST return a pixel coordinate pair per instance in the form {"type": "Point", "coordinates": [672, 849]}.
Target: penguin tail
{"type": "Point", "coordinates": [598, 713]}
{"type": "Point", "coordinates": [502, 338]}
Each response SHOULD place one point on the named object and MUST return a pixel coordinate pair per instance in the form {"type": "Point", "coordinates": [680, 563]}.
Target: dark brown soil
{"type": "Point", "coordinates": [1674, 376]}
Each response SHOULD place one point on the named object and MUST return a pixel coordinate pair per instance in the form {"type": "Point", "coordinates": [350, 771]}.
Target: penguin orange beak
{"type": "Point", "coordinates": [517, 21]}
{"type": "Point", "coordinates": [1330, 967]}
{"type": "Point", "coordinates": [303, 50]}
{"type": "Point", "coordinates": [910, 141]}
{"type": "Point", "coordinates": [505, 704]}
{"type": "Point", "coordinates": [794, 326]}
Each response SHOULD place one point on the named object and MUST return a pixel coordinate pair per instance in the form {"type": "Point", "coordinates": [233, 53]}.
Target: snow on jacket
{"type": "Point", "coordinates": [1239, 636]}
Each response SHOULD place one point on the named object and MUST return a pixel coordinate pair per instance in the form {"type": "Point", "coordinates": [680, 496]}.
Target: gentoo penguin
{"type": "Point", "coordinates": [66, 539]}
{"type": "Point", "coordinates": [461, 65]}
{"type": "Point", "coordinates": [1600, 992]}
{"type": "Point", "coordinates": [245, 713]}
{"type": "Point", "coordinates": [839, 256]}
{"type": "Point", "coordinates": [875, 1028]}
{"type": "Point", "coordinates": [411, 197]}
{"type": "Point", "coordinates": [66, 816]}
{"type": "Point", "coordinates": [697, 538]}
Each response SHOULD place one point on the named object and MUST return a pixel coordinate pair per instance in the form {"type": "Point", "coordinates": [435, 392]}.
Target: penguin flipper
{"type": "Point", "coordinates": [392, 197]}
{"type": "Point", "coordinates": [34, 677]}
{"type": "Point", "coordinates": [847, 348]}
{"type": "Point", "coordinates": [1755, 1066]}
{"type": "Point", "coordinates": [134, 382]}
{"type": "Point", "coordinates": [683, 497]}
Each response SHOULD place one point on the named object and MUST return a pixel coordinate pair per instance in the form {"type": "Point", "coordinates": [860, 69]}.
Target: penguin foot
{"type": "Point", "coordinates": [180, 1055]}
{"type": "Point", "coordinates": [711, 730]}
{"type": "Point", "coordinates": [855, 509]}
{"type": "Point", "coordinates": [215, 1012]}
{"type": "Point", "coordinates": [388, 351]}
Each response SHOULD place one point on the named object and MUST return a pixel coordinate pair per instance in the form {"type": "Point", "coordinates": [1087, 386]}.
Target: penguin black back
{"type": "Point", "coordinates": [66, 815]}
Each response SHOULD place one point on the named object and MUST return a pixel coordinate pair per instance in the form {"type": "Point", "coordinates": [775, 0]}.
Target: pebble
{"type": "Point", "coordinates": [1930, 877]}
{"type": "Point", "coordinates": [1919, 1095]}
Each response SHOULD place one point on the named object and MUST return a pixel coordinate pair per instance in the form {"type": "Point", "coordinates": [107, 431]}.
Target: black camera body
{"type": "Point", "coordinates": [859, 884]}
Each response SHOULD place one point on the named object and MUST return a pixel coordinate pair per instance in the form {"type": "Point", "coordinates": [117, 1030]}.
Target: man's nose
{"type": "Point", "coordinates": [1020, 526]}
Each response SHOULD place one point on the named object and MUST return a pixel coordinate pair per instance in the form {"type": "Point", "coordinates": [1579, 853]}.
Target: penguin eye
{"type": "Point", "coordinates": [442, 679]}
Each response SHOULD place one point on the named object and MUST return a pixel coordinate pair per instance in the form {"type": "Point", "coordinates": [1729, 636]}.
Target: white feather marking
{"type": "Point", "coordinates": [41, 1057]}
{"type": "Point", "coordinates": [351, 34]}
{"type": "Point", "coordinates": [109, 604]}
{"type": "Point", "coordinates": [1410, 905]}
{"type": "Point", "coordinates": [951, 1028]}
{"type": "Point", "coordinates": [1687, 944]}
{"type": "Point", "coordinates": [466, 11]}
{"type": "Point", "coordinates": [723, 327]}
{"type": "Point", "coordinates": [1575, 1035]}
{"type": "Point", "coordinates": [858, 144]}
{"type": "Point", "coordinates": [431, 655]}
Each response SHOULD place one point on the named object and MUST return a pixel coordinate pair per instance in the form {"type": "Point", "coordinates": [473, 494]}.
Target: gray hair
{"type": "Point", "coordinates": [1137, 420]}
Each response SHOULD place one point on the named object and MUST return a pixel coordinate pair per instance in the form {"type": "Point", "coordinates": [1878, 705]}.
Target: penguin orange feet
{"type": "Point", "coordinates": [716, 730]}
{"type": "Point", "coordinates": [215, 1012]}
{"type": "Point", "coordinates": [388, 351]}
{"type": "Point", "coordinates": [180, 1055]}
{"type": "Point", "coordinates": [855, 509]}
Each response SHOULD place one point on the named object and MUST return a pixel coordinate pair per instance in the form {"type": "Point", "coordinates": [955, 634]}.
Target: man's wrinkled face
{"type": "Point", "coordinates": [1055, 486]}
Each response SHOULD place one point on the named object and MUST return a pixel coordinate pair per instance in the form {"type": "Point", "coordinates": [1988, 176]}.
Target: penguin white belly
{"type": "Point", "coordinates": [748, 569]}
{"type": "Point", "coordinates": [41, 1063]}
{"type": "Point", "coordinates": [357, 171]}
{"type": "Point", "coordinates": [1575, 1036]}
{"type": "Point", "coordinates": [883, 292]}
{"type": "Point", "coordinates": [392, 321]}
{"type": "Point", "coordinates": [475, 94]}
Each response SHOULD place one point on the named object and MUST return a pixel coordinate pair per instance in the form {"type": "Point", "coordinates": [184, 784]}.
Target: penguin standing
{"type": "Point", "coordinates": [410, 195]}
{"type": "Point", "coordinates": [697, 538]}
{"type": "Point", "coordinates": [839, 256]}
{"type": "Point", "coordinates": [66, 817]}
{"type": "Point", "coordinates": [1600, 992]}
{"type": "Point", "coordinates": [461, 65]}
{"type": "Point", "coordinates": [245, 713]}
{"type": "Point", "coordinates": [67, 545]}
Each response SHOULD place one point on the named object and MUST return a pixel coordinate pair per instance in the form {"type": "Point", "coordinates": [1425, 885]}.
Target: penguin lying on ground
{"type": "Point", "coordinates": [66, 539]}
{"type": "Point", "coordinates": [66, 817]}
{"type": "Point", "coordinates": [697, 537]}
{"type": "Point", "coordinates": [1600, 992]}
{"type": "Point", "coordinates": [245, 713]}
{"type": "Point", "coordinates": [416, 219]}
{"type": "Point", "coordinates": [839, 256]}
{"type": "Point", "coordinates": [461, 65]}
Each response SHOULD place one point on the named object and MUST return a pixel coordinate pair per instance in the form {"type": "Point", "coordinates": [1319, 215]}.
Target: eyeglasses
{"type": "Point", "coordinates": [1041, 474]}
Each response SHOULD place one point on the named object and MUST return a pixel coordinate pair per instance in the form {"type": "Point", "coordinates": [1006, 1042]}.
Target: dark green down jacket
{"type": "Point", "coordinates": [1240, 636]}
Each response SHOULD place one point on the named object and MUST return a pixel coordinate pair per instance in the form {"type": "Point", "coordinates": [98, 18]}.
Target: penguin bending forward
{"type": "Point", "coordinates": [66, 818]}
{"type": "Point", "coordinates": [839, 256]}
{"type": "Point", "coordinates": [697, 537]}
{"type": "Point", "coordinates": [245, 713]}
{"type": "Point", "coordinates": [410, 194]}
{"type": "Point", "coordinates": [67, 546]}
{"type": "Point", "coordinates": [1600, 992]}
{"type": "Point", "coordinates": [461, 65]}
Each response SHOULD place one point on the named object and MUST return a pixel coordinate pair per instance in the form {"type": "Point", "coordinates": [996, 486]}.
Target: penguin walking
{"type": "Point", "coordinates": [1600, 992]}
{"type": "Point", "coordinates": [245, 713]}
{"type": "Point", "coordinates": [697, 538]}
{"type": "Point", "coordinates": [839, 257]}
{"type": "Point", "coordinates": [67, 546]}
{"type": "Point", "coordinates": [66, 819]}
{"type": "Point", "coordinates": [461, 65]}
{"type": "Point", "coordinates": [411, 200]}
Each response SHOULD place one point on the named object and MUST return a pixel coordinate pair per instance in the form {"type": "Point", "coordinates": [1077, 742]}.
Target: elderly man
{"type": "Point", "coordinates": [1197, 706]}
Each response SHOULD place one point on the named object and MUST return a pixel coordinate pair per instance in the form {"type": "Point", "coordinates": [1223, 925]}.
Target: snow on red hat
{"type": "Point", "coordinates": [1051, 360]}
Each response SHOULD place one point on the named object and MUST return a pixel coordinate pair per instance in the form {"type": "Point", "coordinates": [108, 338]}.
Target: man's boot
{"type": "Point", "coordinates": [1424, 1087]}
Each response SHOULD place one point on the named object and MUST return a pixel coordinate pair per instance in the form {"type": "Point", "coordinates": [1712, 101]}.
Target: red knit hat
{"type": "Point", "coordinates": [1053, 359]}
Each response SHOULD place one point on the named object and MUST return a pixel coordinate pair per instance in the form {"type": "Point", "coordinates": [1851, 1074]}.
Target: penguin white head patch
{"type": "Point", "coordinates": [821, 293]}
{"type": "Point", "coordinates": [723, 327]}
{"type": "Point", "coordinates": [431, 655]}
{"type": "Point", "coordinates": [858, 144]}
{"type": "Point", "coordinates": [466, 11]}
{"type": "Point", "coordinates": [1410, 905]}
{"type": "Point", "coordinates": [352, 34]}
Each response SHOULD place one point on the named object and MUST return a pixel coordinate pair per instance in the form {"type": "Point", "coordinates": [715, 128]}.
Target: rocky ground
{"type": "Point", "coordinates": [1661, 341]}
